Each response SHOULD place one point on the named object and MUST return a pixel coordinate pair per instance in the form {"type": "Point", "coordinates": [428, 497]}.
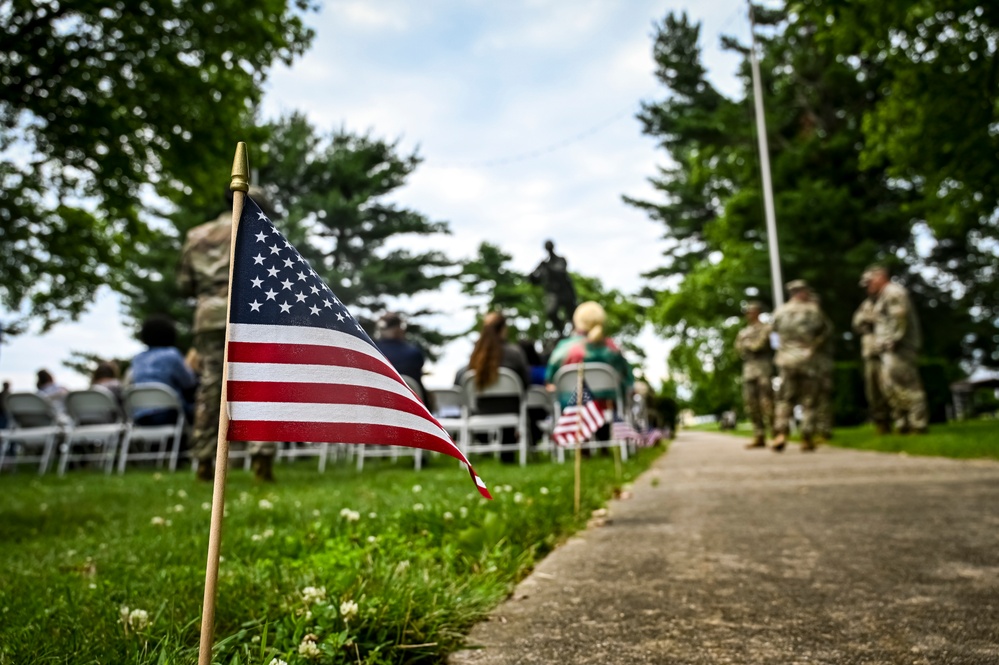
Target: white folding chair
{"type": "Point", "coordinates": [34, 423]}
{"type": "Point", "coordinates": [450, 410]}
{"type": "Point", "coordinates": [507, 384]}
{"type": "Point", "coordinates": [599, 378]}
{"type": "Point", "coordinates": [162, 442]}
{"type": "Point", "coordinates": [539, 398]}
{"type": "Point", "coordinates": [97, 421]}
{"type": "Point", "coordinates": [395, 452]}
{"type": "Point", "coordinates": [294, 450]}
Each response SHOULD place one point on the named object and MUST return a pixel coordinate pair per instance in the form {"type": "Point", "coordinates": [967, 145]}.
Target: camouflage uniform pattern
{"type": "Point", "coordinates": [863, 324]}
{"type": "Point", "coordinates": [802, 328]}
{"type": "Point", "coordinates": [753, 345]}
{"type": "Point", "coordinates": [898, 339]}
{"type": "Point", "coordinates": [204, 273]}
{"type": "Point", "coordinates": [825, 366]}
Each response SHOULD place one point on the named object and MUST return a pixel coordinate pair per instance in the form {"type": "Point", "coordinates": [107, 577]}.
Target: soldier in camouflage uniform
{"type": "Point", "coordinates": [825, 366]}
{"type": "Point", "coordinates": [801, 328]}
{"type": "Point", "coordinates": [898, 338]}
{"type": "Point", "coordinates": [204, 274]}
{"type": "Point", "coordinates": [753, 345]}
{"type": "Point", "coordinates": [863, 325]}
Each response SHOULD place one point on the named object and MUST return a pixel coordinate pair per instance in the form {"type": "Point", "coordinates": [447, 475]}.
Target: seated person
{"type": "Point", "coordinates": [588, 344]}
{"type": "Point", "coordinates": [47, 387]}
{"type": "Point", "coordinates": [406, 357]}
{"type": "Point", "coordinates": [106, 376]}
{"type": "Point", "coordinates": [163, 363]}
{"type": "Point", "coordinates": [492, 351]}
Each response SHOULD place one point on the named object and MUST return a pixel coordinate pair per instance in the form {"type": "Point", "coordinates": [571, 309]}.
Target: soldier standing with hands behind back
{"type": "Point", "coordinates": [204, 274]}
{"type": "Point", "coordinates": [753, 346]}
{"type": "Point", "coordinates": [801, 329]}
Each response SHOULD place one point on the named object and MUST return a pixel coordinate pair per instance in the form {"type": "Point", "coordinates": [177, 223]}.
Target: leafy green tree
{"type": "Point", "coordinates": [334, 193]}
{"type": "Point", "coordinates": [493, 285]}
{"type": "Point", "coordinates": [104, 104]}
{"type": "Point", "coordinates": [835, 214]}
{"type": "Point", "coordinates": [934, 129]}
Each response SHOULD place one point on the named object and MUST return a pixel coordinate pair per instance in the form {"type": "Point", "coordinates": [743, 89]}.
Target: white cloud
{"type": "Point", "coordinates": [523, 111]}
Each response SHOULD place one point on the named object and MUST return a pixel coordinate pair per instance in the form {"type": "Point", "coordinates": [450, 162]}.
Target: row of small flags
{"type": "Point", "coordinates": [582, 418]}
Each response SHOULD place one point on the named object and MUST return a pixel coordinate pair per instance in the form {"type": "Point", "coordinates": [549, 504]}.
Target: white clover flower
{"type": "Point", "coordinates": [206, 505]}
{"type": "Point", "coordinates": [518, 497]}
{"type": "Point", "coordinates": [277, 661]}
{"type": "Point", "coordinates": [123, 613]}
{"type": "Point", "coordinates": [157, 521]}
{"type": "Point", "coordinates": [256, 537]}
{"type": "Point", "coordinates": [268, 533]}
{"type": "Point", "coordinates": [244, 496]}
{"type": "Point", "coordinates": [372, 539]}
{"type": "Point", "coordinates": [401, 566]}
{"type": "Point", "coordinates": [448, 516]}
{"type": "Point", "coordinates": [544, 490]}
{"type": "Point", "coordinates": [298, 504]}
{"type": "Point", "coordinates": [137, 619]}
{"type": "Point", "coordinates": [181, 494]}
{"type": "Point", "coordinates": [316, 513]}
{"type": "Point", "coordinates": [507, 488]}
{"type": "Point", "coordinates": [348, 610]}
{"type": "Point", "coordinates": [157, 476]}
{"type": "Point", "coordinates": [463, 511]}
{"type": "Point", "coordinates": [255, 639]}
{"type": "Point", "coordinates": [168, 523]}
{"type": "Point", "coordinates": [264, 504]}
{"type": "Point", "coordinates": [312, 595]}
{"type": "Point", "coordinates": [43, 507]}
{"type": "Point", "coordinates": [417, 489]}
{"type": "Point", "coordinates": [417, 507]}
{"type": "Point", "coordinates": [372, 515]}
{"type": "Point", "coordinates": [309, 650]}
{"type": "Point", "coordinates": [350, 515]}
{"type": "Point", "coordinates": [178, 508]}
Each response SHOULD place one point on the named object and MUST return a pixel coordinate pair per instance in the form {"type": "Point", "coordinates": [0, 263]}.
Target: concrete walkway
{"type": "Point", "coordinates": [726, 555]}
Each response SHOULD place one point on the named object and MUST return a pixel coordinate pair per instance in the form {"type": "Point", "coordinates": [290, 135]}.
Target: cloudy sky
{"type": "Point", "coordinates": [523, 112]}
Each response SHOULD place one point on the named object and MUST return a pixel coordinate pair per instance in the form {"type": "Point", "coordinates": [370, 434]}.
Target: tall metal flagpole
{"type": "Point", "coordinates": [239, 186]}
{"type": "Point", "coordinates": [768, 189]}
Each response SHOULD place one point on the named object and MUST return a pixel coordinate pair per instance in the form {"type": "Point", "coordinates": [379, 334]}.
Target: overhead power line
{"type": "Point", "coordinates": [537, 152]}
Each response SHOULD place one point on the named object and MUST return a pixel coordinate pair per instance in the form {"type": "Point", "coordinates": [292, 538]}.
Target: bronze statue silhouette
{"type": "Point", "coordinates": [560, 296]}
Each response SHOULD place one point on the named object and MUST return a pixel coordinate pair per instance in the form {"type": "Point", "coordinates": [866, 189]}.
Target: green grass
{"type": "Point", "coordinates": [970, 439]}
{"type": "Point", "coordinates": [425, 559]}
{"type": "Point", "coordinates": [960, 440]}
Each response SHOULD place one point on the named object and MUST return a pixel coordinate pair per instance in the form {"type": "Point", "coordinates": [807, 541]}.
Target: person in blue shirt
{"type": "Point", "coordinates": [406, 357]}
{"type": "Point", "coordinates": [162, 363]}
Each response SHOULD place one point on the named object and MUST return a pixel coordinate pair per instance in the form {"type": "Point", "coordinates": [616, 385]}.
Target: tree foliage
{"type": "Point", "coordinates": [103, 105]}
{"type": "Point", "coordinates": [837, 209]}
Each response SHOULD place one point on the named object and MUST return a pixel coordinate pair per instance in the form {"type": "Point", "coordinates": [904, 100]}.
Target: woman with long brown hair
{"type": "Point", "coordinates": [492, 351]}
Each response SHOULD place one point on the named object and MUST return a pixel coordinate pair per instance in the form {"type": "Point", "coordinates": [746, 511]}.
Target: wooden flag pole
{"type": "Point", "coordinates": [240, 185]}
{"type": "Point", "coordinates": [579, 436]}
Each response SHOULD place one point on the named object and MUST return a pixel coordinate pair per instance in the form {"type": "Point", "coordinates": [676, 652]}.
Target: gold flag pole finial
{"type": "Point", "coordinates": [240, 170]}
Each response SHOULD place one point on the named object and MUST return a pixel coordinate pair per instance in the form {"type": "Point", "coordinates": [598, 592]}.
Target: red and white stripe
{"type": "Point", "coordinates": [299, 383]}
{"type": "Point", "coordinates": [577, 424]}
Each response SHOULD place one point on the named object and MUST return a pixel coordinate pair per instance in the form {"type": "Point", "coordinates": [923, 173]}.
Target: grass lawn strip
{"type": "Point", "coordinates": [385, 566]}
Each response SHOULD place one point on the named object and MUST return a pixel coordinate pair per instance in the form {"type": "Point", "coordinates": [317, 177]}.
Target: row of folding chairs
{"type": "Point", "coordinates": [93, 428]}
{"type": "Point", "coordinates": [475, 432]}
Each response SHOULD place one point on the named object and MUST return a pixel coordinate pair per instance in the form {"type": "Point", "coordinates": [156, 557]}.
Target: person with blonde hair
{"type": "Point", "coordinates": [590, 344]}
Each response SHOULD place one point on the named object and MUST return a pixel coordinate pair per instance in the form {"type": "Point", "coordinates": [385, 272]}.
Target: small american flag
{"type": "Point", "coordinates": [653, 436]}
{"type": "Point", "coordinates": [623, 430]}
{"type": "Point", "coordinates": [578, 423]}
{"type": "Point", "coordinates": [301, 368]}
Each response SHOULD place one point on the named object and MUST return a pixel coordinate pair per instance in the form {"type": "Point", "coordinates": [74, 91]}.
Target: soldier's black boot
{"type": "Point", "coordinates": [204, 472]}
{"type": "Point", "coordinates": [757, 442]}
{"type": "Point", "coordinates": [263, 468]}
